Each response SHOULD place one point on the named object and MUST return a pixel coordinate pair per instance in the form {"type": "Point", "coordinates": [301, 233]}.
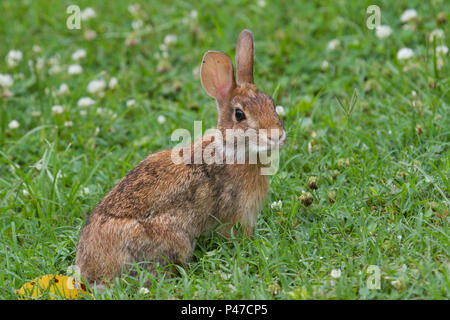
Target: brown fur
{"type": "Point", "coordinates": [156, 211]}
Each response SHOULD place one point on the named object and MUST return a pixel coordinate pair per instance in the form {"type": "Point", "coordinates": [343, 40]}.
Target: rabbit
{"type": "Point", "coordinates": [154, 214]}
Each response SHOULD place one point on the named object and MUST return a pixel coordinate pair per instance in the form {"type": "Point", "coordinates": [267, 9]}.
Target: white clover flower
{"type": "Point", "coordinates": [193, 14]}
{"type": "Point", "coordinates": [143, 290]}
{"type": "Point", "coordinates": [408, 15]}
{"type": "Point", "coordinates": [325, 65]}
{"type": "Point", "coordinates": [88, 13]}
{"type": "Point", "coordinates": [6, 80]}
{"type": "Point", "coordinates": [36, 48]}
{"type": "Point", "coordinates": [336, 273]}
{"type": "Point", "coordinates": [75, 69]}
{"type": "Point", "coordinates": [442, 50]}
{"type": "Point", "coordinates": [63, 89]}
{"type": "Point", "coordinates": [90, 34]}
{"type": "Point", "coordinates": [38, 165]}
{"type": "Point", "coordinates": [262, 3]}
{"type": "Point", "coordinates": [196, 71]}
{"type": "Point", "coordinates": [161, 119]}
{"type": "Point", "coordinates": [276, 205]}
{"type": "Point", "coordinates": [79, 54]}
{"type": "Point", "coordinates": [131, 102]}
{"type": "Point", "coordinates": [68, 124]}
{"type": "Point", "coordinates": [57, 109]}
{"type": "Point", "coordinates": [96, 86]}
{"type": "Point", "coordinates": [55, 69]}
{"type": "Point", "coordinates": [382, 32]}
{"type": "Point", "coordinates": [112, 83]}
{"type": "Point", "coordinates": [86, 102]}
{"type": "Point", "coordinates": [280, 110]}
{"type": "Point", "coordinates": [83, 113]}
{"type": "Point", "coordinates": [137, 24]}
{"type": "Point", "coordinates": [35, 113]}
{"type": "Point", "coordinates": [54, 60]}
{"type": "Point", "coordinates": [14, 124]}
{"type": "Point", "coordinates": [405, 53]}
{"type": "Point", "coordinates": [85, 191]}
{"type": "Point", "coordinates": [333, 44]}
{"type": "Point", "coordinates": [436, 34]}
{"type": "Point", "coordinates": [134, 8]}
{"type": "Point", "coordinates": [14, 57]}
{"type": "Point", "coordinates": [170, 39]}
{"type": "Point", "coordinates": [40, 63]}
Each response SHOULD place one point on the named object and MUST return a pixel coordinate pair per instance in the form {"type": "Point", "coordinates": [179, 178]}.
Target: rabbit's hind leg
{"type": "Point", "coordinates": [158, 244]}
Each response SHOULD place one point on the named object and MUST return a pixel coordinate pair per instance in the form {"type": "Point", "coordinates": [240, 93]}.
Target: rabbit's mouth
{"type": "Point", "coordinates": [268, 143]}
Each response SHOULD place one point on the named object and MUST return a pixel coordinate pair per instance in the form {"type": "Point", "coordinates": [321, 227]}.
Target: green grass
{"type": "Point", "coordinates": [383, 169]}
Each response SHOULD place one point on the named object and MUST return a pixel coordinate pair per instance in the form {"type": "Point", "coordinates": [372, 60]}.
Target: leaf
{"type": "Point", "coordinates": [56, 286]}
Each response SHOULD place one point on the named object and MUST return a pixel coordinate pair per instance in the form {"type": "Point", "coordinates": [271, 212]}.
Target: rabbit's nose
{"type": "Point", "coordinates": [277, 136]}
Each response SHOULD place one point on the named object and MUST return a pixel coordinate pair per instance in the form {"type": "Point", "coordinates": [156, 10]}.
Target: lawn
{"type": "Point", "coordinates": [367, 140]}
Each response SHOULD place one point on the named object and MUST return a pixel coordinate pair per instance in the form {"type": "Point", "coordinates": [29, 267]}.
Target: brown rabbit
{"type": "Point", "coordinates": [154, 214]}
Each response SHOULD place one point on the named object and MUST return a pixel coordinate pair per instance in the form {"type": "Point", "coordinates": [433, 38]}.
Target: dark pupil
{"type": "Point", "coordinates": [239, 115]}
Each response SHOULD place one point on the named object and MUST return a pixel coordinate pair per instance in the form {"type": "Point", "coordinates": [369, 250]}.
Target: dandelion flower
{"type": "Point", "coordinates": [75, 69]}
{"type": "Point", "coordinates": [14, 57]}
{"type": "Point", "coordinates": [13, 124]}
{"type": "Point", "coordinates": [408, 15]}
{"type": "Point", "coordinates": [79, 54]}
{"type": "Point", "coordinates": [382, 32]}
{"type": "Point", "coordinates": [405, 53]}
{"type": "Point", "coordinates": [86, 102]}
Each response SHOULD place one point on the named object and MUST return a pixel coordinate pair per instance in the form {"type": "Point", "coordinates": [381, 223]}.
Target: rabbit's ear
{"type": "Point", "coordinates": [217, 75]}
{"type": "Point", "coordinates": [244, 58]}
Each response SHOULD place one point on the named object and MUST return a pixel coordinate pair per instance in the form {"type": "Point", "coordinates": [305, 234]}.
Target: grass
{"type": "Point", "coordinates": [382, 169]}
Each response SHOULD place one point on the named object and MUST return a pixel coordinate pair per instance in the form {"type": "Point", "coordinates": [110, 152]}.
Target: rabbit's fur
{"type": "Point", "coordinates": [154, 214]}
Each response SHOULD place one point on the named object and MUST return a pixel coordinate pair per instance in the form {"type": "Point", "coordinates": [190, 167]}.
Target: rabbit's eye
{"type": "Point", "coordinates": [239, 114]}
